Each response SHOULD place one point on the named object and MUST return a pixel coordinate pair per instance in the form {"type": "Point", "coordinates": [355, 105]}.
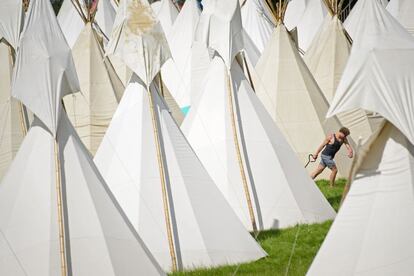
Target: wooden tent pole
{"type": "Point", "coordinates": [161, 168]}
{"type": "Point", "coordinates": [238, 153]}
{"type": "Point", "coordinates": [248, 71]}
{"type": "Point", "coordinates": [23, 123]}
{"type": "Point", "coordinates": [62, 240]}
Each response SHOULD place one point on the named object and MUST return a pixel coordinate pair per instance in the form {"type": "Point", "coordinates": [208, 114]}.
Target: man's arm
{"type": "Point", "coordinates": [320, 148]}
{"type": "Point", "coordinates": [349, 148]}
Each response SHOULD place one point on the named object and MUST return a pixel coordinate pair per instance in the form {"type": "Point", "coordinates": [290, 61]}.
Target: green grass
{"type": "Point", "coordinates": [278, 244]}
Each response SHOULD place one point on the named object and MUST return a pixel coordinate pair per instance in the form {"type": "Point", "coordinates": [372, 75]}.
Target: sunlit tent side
{"type": "Point", "coordinates": [403, 11]}
{"type": "Point", "coordinates": [241, 148]}
{"type": "Point", "coordinates": [91, 110]}
{"type": "Point", "coordinates": [356, 18]}
{"type": "Point", "coordinates": [258, 22]}
{"type": "Point", "coordinates": [14, 119]}
{"type": "Point", "coordinates": [57, 216]}
{"type": "Point", "coordinates": [153, 171]}
{"type": "Point", "coordinates": [166, 12]}
{"type": "Point", "coordinates": [177, 72]}
{"type": "Point", "coordinates": [326, 58]}
{"type": "Point", "coordinates": [307, 16]}
{"type": "Point", "coordinates": [293, 99]}
{"type": "Point", "coordinates": [72, 14]}
{"type": "Point", "coordinates": [372, 232]}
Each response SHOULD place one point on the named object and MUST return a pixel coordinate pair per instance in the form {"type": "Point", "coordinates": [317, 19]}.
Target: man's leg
{"type": "Point", "coordinates": [332, 177]}
{"type": "Point", "coordinates": [318, 171]}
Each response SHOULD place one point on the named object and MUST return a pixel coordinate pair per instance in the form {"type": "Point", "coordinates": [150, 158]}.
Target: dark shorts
{"type": "Point", "coordinates": [327, 161]}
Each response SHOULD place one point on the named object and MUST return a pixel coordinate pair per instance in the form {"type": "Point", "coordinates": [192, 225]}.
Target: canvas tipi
{"type": "Point", "coordinates": [177, 72]}
{"type": "Point", "coordinates": [74, 14]}
{"type": "Point", "coordinates": [91, 110]}
{"type": "Point", "coordinates": [241, 148]}
{"type": "Point", "coordinates": [307, 16]}
{"type": "Point", "coordinates": [353, 22]}
{"type": "Point", "coordinates": [166, 13]}
{"type": "Point", "coordinates": [372, 232]}
{"type": "Point", "coordinates": [258, 22]}
{"type": "Point", "coordinates": [326, 58]}
{"type": "Point", "coordinates": [13, 115]}
{"type": "Point", "coordinates": [293, 99]}
{"type": "Point", "coordinates": [154, 173]}
{"type": "Point", "coordinates": [57, 216]}
{"type": "Point", "coordinates": [403, 11]}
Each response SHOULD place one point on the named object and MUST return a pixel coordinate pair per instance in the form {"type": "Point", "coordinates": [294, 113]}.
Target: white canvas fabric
{"type": "Point", "coordinates": [258, 22]}
{"type": "Point", "coordinates": [177, 74]}
{"type": "Point", "coordinates": [380, 61]}
{"type": "Point", "coordinates": [11, 128]}
{"type": "Point", "coordinates": [91, 110]}
{"type": "Point", "coordinates": [311, 19]}
{"type": "Point", "coordinates": [281, 190]}
{"type": "Point", "coordinates": [70, 22]}
{"type": "Point", "coordinates": [251, 52]}
{"type": "Point", "coordinates": [166, 13]}
{"type": "Point", "coordinates": [403, 11]}
{"type": "Point", "coordinates": [326, 58]}
{"type": "Point", "coordinates": [371, 234]}
{"type": "Point", "coordinates": [100, 240]}
{"type": "Point", "coordinates": [206, 232]}
{"type": "Point", "coordinates": [105, 16]}
{"type": "Point", "coordinates": [11, 19]}
{"type": "Point", "coordinates": [138, 39]}
{"type": "Point", "coordinates": [293, 99]}
{"type": "Point", "coordinates": [44, 65]}
{"type": "Point", "coordinates": [53, 188]}
{"type": "Point", "coordinates": [220, 28]}
{"type": "Point", "coordinates": [357, 19]}
{"type": "Point", "coordinates": [294, 12]}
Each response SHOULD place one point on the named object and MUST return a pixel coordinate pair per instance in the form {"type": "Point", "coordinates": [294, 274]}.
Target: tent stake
{"type": "Point", "coordinates": [238, 153]}
{"type": "Point", "coordinates": [163, 185]}
{"type": "Point", "coordinates": [62, 244]}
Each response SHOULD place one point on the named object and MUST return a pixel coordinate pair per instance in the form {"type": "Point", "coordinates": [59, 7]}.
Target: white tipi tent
{"type": "Point", "coordinates": [258, 22]}
{"type": "Point", "coordinates": [72, 18]}
{"type": "Point", "coordinates": [355, 18]}
{"type": "Point", "coordinates": [372, 232]}
{"type": "Point", "coordinates": [326, 58]}
{"type": "Point", "coordinates": [282, 193]}
{"type": "Point", "coordinates": [13, 126]}
{"type": "Point", "coordinates": [240, 146]}
{"type": "Point", "coordinates": [101, 90]}
{"type": "Point", "coordinates": [307, 16]}
{"type": "Point", "coordinates": [57, 216]}
{"type": "Point", "coordinates": [170, 198]}
{"type": "Point", "coordinates": [294, 100]}
{"type": "Point", "coordinates": [166, 13]}
{"type": "Point", "coordinates": [403, 11]}
{"type": "Point", "coordinates": [177, 72]}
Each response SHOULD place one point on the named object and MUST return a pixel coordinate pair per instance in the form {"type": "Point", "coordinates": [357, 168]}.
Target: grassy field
{"type": "Point", "coordinates": [279, 243]}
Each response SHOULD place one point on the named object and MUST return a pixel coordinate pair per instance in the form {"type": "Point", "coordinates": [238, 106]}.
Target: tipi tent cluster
{"type": "Point", "coordinates": [370, 235]}
{"type": "Point", "coordinates": [326, 59]}
{"type": "Point", "coordinates": [163, 134]}
{"type": "Point", "coordinates": [292, 97]}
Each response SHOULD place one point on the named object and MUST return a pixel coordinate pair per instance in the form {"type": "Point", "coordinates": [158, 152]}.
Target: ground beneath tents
{"type": "Point", "coordinates": [279, 243]}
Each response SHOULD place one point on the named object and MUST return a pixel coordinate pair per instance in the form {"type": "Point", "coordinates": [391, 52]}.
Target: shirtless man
{"type": "Point", "coordinates": [330, 146]}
